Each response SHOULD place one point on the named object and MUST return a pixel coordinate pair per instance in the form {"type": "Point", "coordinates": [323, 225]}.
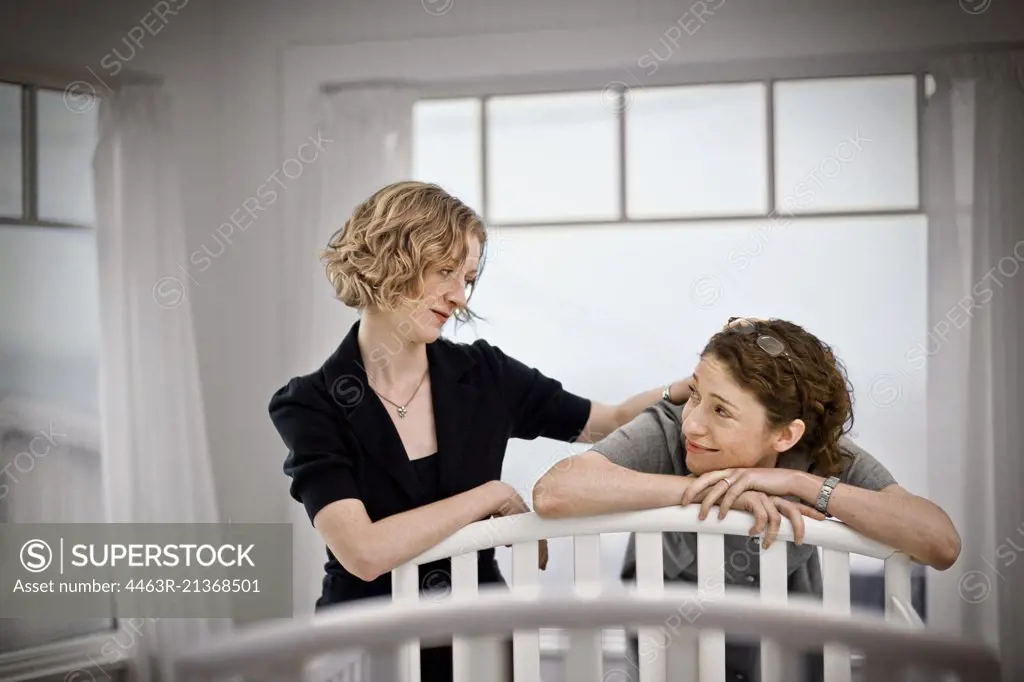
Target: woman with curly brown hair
{"type": "Point", "coordinates": [763, 431]}
{"type": "Point", "coordinates": [398, 440]}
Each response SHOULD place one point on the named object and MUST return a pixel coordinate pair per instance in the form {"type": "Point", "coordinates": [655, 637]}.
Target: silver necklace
{"type": "Point", "coordinates": [403, 409]}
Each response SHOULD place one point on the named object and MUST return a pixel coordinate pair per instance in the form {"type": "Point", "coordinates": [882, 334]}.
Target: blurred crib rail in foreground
{"type": "Point", "coordinates": [688, 623]}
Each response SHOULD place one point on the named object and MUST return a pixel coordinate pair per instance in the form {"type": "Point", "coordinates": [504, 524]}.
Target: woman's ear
{"type": "Point", "coordinates": [787, 436]}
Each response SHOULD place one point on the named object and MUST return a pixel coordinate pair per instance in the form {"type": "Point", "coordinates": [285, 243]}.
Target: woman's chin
{"type": "Point", "coordinates": [698, 464]}
{"type": "Point", "coordinates": [430, 334]}
{"type": "Point", "coordinates": [704, 462]}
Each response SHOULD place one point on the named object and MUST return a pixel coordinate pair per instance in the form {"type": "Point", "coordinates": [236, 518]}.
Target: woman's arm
{"type": "Point", "coordinates": [892, 516]}
{"type": "Point", "coordinates": [604, 419]}
{"type": "Point", "coordinates": [589, 483]}
{"type": "Point", "coordinates": [369, 549]}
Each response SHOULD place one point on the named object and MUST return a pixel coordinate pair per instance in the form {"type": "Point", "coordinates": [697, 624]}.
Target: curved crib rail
{"type": "Point", "coordinates": [707, 650]}
{"type": "Point", "coordinates": [283, 649]}
{"type": "Point", "coordinates": [529, 527]}
{"type": "Point", "coordinates": [702, 650]}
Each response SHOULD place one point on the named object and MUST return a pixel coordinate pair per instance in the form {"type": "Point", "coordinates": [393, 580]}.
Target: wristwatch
{"type": "Point", "coordinates": [825, 494]}
{"type": "Point", "coordinates": [666, 394]}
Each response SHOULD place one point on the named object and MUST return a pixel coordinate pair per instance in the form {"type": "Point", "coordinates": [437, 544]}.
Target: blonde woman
{"type": "Point", "coordinates": [397, 441]}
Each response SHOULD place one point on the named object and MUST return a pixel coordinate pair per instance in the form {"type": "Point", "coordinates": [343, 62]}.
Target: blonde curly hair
{"type": "Point", "coordinates": [384, 250]}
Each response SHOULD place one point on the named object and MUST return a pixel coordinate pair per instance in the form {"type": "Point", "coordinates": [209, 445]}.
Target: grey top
{"type": "Point", "coordinates": [653, 443]}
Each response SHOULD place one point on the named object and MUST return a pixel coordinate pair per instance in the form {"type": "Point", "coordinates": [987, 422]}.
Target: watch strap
{"type": "Point", "coordinates": [825, 494]}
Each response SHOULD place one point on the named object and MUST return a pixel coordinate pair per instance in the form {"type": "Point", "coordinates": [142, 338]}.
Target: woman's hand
{"type": "Point", "coordinates": [728, 484]}
{"type": "Point", "coordinates": [768, 510]}
{"type": "Point", "coordinates": [760, 491]}
{"type": "Point", "coordinates": [512, 503]}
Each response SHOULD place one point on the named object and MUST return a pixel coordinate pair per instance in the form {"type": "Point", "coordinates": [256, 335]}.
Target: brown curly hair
{"type": "Point", "coordinates": [814, 388]}
{"type": "Point", "coordinates": [382, 253]}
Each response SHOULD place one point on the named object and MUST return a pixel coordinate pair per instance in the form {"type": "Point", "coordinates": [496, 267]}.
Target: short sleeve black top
{"type": "Point", "coordinates": [342, 443]}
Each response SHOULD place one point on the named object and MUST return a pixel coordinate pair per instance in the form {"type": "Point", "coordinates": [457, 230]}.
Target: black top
{"type": "Point", "coordinates": [429, 476]}
{"type": "Point", "coordinates": [343, 444]}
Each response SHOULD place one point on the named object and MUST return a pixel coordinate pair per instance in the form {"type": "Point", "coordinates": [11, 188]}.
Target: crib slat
{"type": "Point", "coordinates": [406, 588]}
{"type": "Point", "coordinates": [836, 599]}
{"type": "Point", "coordinates": [683, 645]}
{"type": "Point", "coordinates": [774, 590]}
{"type": "Point", "coordinates": [711, 582]}
{"type": "Point", "coordinates": [897, 584]}
{"type": "Point", "coordinates": [343, 666]}
{"type": "Point", "coordinates": [465, 584]}
{"type": "Point", "coordinates": [650, 580]}
{"type": "Point", "coordinates": [474, 658]}
{"type": "Point", "coordinates": [526, 585]}
{"type": "Point", "coordinates": [584, 660]}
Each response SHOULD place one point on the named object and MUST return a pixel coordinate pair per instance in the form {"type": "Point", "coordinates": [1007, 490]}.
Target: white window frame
{"type": "Point", "coordinates": [30, 155]}
{"type": "Point", "coordinates": [307, 71]}
{"type": "Point", "coordinates": [621, 111]}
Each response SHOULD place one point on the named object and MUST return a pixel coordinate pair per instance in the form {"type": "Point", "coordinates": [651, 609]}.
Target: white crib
{"type": "Point", "coordinates": [686, 622]}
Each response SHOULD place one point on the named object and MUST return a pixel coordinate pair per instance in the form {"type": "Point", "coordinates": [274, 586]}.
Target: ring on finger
{"type": "Point", "coordinates": [727, 481]}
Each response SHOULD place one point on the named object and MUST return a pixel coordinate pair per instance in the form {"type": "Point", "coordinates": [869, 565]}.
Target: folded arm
{"type": "Point", "coordinates": [368, 549]}
{"type": "Point", "coordinates": [589, 483]}
{"type": "Point", "coordinates": [892, 516]}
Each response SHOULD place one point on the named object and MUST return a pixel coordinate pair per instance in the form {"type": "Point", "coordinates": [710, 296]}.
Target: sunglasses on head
{"type": "Point", "coordinates": [766, 342]}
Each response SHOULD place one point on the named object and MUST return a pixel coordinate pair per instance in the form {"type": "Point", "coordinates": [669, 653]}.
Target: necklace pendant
{"type": "Point", "coordinates": [401, 412]}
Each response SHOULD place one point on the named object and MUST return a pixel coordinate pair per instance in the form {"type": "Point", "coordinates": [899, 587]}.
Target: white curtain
{"type": "Point", "coordinates": [156, 459]}
{"type": "Point", "coordinates": [975, 196]}
{"type": "Point", "coordinates": [367, 133]}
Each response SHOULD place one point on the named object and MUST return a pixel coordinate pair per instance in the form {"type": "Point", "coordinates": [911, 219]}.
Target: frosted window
{"type": "Point", "coordinates": [697, 151]}
{"type": "Point", "coordinates": [552, 157]}
{"type": "Point", "coordinates": [10, 150]}
{"type": "Point", "coordinates": [67, 142]}
{"type": "Point", "coordinates": [846, 144]}
{"type": "Point", "coordinates": [446, 147]}
{"type": "Point", "coordinates": [49, 387]}
{"type": "Point", "coordinates": [49, 326]}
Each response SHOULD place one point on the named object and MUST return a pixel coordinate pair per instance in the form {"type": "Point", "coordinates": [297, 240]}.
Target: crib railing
{"type": "Point", "coordinates": [686, 623]}
{"type": "Point", "coordinates": [294, 650]}
{"type": "Point", "coordinates": [706, 651]}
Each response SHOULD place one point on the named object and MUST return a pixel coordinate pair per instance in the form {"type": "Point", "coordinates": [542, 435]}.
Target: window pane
{"type": "Point", "coordinates": [67, 140]}
{"type": "Point", "coordinates": [697, 151]}
{"type": "Point", "coordinates": [49, 395]}
{"type": "Point", "coordinates": [552, 157]}
{"type": "Point", "coordinates": [446, 147]}
{"type": "Point", "coordinates": [10, 150]}
{"type": "Point", "coordinates": [846, 144]}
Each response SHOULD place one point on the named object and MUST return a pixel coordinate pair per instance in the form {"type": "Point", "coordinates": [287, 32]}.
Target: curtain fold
{"type": "Point", "coordinates": [156, 459]}
{"type": "Point", "coordinates": [974, 152]}
{"type": "Point", "coordinates": [368, 142]}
